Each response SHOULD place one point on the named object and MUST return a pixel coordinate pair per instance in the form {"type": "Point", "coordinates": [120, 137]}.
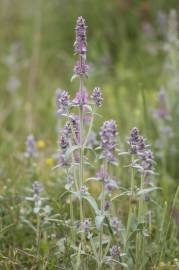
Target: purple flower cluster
{"type": "Point", "coordinates": [108, 134]}
{"type": "Point", "coordinates": [108, 180]}
{"type": "Point", "coordinates": [143, 153]}
{"type": "Point", "coordinates": [37, 187]}
{"type": "Point", "coordinates": [147, 163]}
{"type": "Point", "coordinates": [84, 190]}
{"type": "Point", "coordinates": [80, 42]}
{"type": "Point", "coordinates": [102, 174]}
{"type": "Point", "coordinates": [81, 98]}
{"type": "Point", "coordinates": [81, 68]}
{"type": "Point", "coordinates": [97, 97]}
{"type": "Point", "coordinates": [64, 143]}
{"type": "Point", "coordinates": [31, 149]}
{"type": "Point", "coordinates": [85, 225]}
{"type": "Point", "coordinates": [115, 224]}
{"type": "Point", "coordinates": [76, 125]}
{"type": "Point", "coordinates": [136, 142]}
{"type": "Point", "coordinates": [115, 251]}
{"type": "Point", "coordinates": [62, 161]}
{"type": "Point", "coordinates": [70, 181]}
{"type": "Point", "coordinates": [67, 129]}
{"type": "Point", "coordinates": [110, 185]}
{"type": "Point", "coordinates": [106, 205]}
{"type": "Point", "coordinates": [62, 101]}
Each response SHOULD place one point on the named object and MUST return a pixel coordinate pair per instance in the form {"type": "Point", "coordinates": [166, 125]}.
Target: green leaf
{"type": "Point", "coordinates": [93, 152]}
{"type": "Point", "coordinates": [140, 226]}
{"type": "Point", "coordinates": [99, 221]}
{"type": "Point", "coordinates": [123, 153]}
{"type": "Point", "coordinates": [147, 190]}
{"type": "Point", "coordinates": [89, 108]}
{"type": "Point", "coordinates": [125, 193]}
{"type": "Point", "coordinates": [92, 202]}
{"type": "Point", "coordinates": [68, 192]}
{"type": "Point", "coordinates": [3, 230]}
{"type": "Point", "coordinates": [78, 257]}
{"type": "Point", "coordinates": [90, 179]}
{"type": "Point", "coordinates": [71, 150]}
{"type": "Point", "coordinates": [109, 227]}
{"type": "Point", "coordinates": [74, 77]}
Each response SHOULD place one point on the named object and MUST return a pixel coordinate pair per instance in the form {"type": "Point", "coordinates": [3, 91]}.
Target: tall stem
{"type": "Point", "coordinates": [130, 206]}
{"type": "Point", "coordinates": [89, 130]}
{"type": "Point", "coordinates": [72, 219]}
{"type": "Point", "coordinates": [101, 228]}
{"type": "Point", "coordinates": [38, 236]}
{"type": "Point", "coordinates": [71, 215]}
{"type": "Point", "coordinates": [81, 152]}
{"type": "Point", "coordinates": [139, 237]}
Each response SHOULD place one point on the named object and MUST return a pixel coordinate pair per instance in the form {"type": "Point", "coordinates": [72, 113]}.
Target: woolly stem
{"type": "Point", "coordinates": [130, 206]}
{"type": "Point", "coordinates": [139, 237]}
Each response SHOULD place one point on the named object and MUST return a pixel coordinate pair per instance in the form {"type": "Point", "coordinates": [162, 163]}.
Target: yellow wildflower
{"type": "Point", "coordinates": [50, 162]}
{"type": "Point", "coordinates": [41, 144]}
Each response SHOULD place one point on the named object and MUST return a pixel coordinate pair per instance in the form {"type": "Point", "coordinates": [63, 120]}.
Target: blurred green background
{"type": "Point", "coordinates": [128, 59]}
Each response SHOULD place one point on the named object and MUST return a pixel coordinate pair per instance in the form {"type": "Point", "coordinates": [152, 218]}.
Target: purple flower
{"type": "Point", "coordinates": [84, 190]}
{"type": "Point", "coordinates": [64, 143]}
{"type": "Point", "coordinates": [37, 188]}
{"type": "Point", "coordinates": [115, 251]}
{"type": "Point", "coordinates": [81, 68]}
{"type": "Point", "coordinates": [147, 163]}
{"type": "Point", "coordinates": [70, 179]}
{"type": "Point", "coordinates": [102, 174]}
{"type": "Point", "coordinates": [110, 185]}
{"type": "Point", "coordinates": [76, 125]}
{"type": "Point", "coordinates": [106, 205]}
{"type": "Point", "coordinates": [108, 136]}
{"type": "Point", "coordinates": [81, 97]}
{"type": "Point", "coordinates": [115, 224]}
{"type": "Point", "coordinates": [97, 97]}
{"type": "Point", "coordinates": [136, 142]}
{"type": "Point", "coordinates": [62, 161]}
{"type": "Point", "coordinates": [67, 129]}
{"type": "Point", "coordinates": [144, 161]}
{"type": "Point", "coordinates": [85, 225]}
{"type": "Point", "coordinates": [80, 44]}
{"type": "Point", "coordinates": [77, 157]}
{"type": "Point", "coordinates": [30, 146]}
{"type": "Point", "coordinates": [62, 101]}
{"type": "Point", "coordinates": [108, 180]}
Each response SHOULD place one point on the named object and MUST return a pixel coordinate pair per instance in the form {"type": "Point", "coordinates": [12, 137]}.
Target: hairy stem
{"type": "Point", "coordinates": [101, 228]}
{"type": "Point", "coordinates": [130, 206]}
{"type": "Point", "coordinates": [139, 237]}
{"type": "Point", "coordinates": [81, 180]}
{"type": "Point", "coordinates": [89, 130]}
{"type": "Point", "coordinates": [38, 236]}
